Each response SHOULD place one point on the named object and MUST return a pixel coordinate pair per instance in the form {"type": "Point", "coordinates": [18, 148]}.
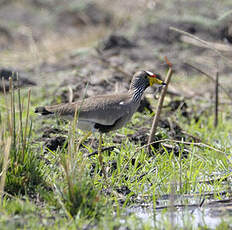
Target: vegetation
{"type": "Point", "coordinates": [65, 188]}
{"type": "Point", "coordinates": [48, 182]}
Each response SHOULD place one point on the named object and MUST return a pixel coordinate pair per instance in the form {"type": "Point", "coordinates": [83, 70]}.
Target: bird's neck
{"type": "Point", "coordinates": [136, 93]}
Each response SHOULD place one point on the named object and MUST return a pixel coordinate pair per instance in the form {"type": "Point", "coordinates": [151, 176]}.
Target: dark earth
{"type": "Point", "coordinates": [109, 65]}
{"type": "Point", "coordinates": [78, 49]}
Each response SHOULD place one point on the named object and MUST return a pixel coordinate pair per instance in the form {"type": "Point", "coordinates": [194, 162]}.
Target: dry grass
{"type": "Point", "coordinates": [50, 49]}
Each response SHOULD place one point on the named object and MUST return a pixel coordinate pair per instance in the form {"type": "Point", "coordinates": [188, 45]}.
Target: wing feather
{"type": "Point", "coordinates": [105, 110]}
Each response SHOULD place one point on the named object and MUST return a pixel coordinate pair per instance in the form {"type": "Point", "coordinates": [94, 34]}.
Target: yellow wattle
{"type": "Point", "coordinates": [153, 80]}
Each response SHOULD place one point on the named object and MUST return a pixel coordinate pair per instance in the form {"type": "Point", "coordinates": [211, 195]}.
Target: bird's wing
{"type": "Point", "coordinates": [103, 110]}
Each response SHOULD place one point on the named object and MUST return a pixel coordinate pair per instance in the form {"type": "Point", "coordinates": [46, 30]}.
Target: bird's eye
{"type": "Point", "coordinates": [149, 74]}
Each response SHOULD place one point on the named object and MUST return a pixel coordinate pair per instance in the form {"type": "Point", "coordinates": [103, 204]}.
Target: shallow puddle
{"type": "Point", "coordinates": [183, 217]}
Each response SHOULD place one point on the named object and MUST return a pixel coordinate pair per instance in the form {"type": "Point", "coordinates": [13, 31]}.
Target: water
{"type": "Point", "coordinates": [184, 217]}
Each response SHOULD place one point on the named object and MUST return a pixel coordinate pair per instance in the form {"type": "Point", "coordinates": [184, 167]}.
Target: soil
{"type": "Point", "coordinates": [75, 49]}
{"type": "Point", "coordinates": [54, 142]}
{"type": "Point", "coordinates": [107, 66]}
{"type": "Point", "coordinates": [18, 79]}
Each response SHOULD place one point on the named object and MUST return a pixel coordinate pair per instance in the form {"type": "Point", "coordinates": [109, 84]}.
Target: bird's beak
{"type": "Point", "coordinates": [154, 80]}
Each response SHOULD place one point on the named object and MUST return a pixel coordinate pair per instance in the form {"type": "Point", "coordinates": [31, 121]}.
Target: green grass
{"type": "Point", "coordinates": [64, 189]}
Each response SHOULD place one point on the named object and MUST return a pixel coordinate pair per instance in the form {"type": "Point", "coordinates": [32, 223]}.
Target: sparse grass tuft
{"type": "Point", "coordinates": [25, 170]}
{"type": "Point", "coordinates": [78, 196]}
{"type": "Point", "coordinates": [176, 174]}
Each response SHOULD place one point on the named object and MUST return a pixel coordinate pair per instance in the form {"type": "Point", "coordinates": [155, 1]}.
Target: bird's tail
{"type": "Point", "coordinates": [43, 111]}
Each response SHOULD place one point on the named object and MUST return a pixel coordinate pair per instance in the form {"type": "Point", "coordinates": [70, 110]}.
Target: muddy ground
{"type": "Point", "coordinates": [66, 48]}
{"type": "Point", "coordinates": [86, 48]}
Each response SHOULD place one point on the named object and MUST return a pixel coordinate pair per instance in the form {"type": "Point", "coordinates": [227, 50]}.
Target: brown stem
{"type": "Point", "coordinates": [198, 144]}
{"type": "Point", "coordinates": [203, 42]}
{"type": "Point", "coordinates": [160, 104]}
{"type": "Point", "coordinates": [26, 125]}
{"type": "Point", "coordinates": [4, 166]}
{"type": "Point", "coordinates": [210, 77]}
{"type": "Point", "coordinates": [216, 102]}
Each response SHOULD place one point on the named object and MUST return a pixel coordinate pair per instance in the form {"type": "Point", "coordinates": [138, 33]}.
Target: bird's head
{"type": "Point", "coordinates": [153, 78]}
{"type": "Point", "coordinates": [145, 79]}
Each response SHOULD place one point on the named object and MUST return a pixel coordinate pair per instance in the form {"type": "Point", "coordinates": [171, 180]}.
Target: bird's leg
{"type": "Point", "coordinates": [83, 139]}
{"type": "Point", "coordinates": [100, 156]}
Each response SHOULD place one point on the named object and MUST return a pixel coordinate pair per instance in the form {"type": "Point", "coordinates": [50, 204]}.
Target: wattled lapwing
{"type": "Point", "coordinates": [105, 113]}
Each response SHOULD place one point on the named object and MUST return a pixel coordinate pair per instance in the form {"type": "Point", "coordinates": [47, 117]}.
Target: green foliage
{"type": "Point", "coordinates": [188, 172]}
{"type": "Point", "coordinates": [24, 168]}
{"type": "Point", "coordinates": [24, 177]}
{"type": "Point", "coordinates": [82, 198]}
{"type": "Point", "coordinates": [78, 196]}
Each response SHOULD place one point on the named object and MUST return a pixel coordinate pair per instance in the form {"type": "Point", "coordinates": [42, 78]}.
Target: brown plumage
{"type": "Point", "coordinates": [106, 112]}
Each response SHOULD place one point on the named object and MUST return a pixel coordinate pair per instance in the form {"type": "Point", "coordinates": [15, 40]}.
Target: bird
{"type": "Point", "coordinates": [105, 113]}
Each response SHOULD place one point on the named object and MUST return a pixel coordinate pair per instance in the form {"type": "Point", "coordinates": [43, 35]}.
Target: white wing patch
{"type": "Point", "coordinates": [121, 103]}
{"type": "Point", "coordinates": [149, 73]}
